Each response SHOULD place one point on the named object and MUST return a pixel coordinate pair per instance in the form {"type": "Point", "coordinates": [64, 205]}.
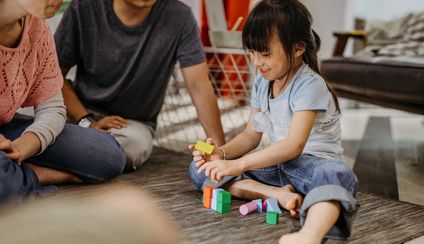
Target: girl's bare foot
{"type": "Point", "coordinates": [290, 200]}
{"type": "Point", "coordinates": [298, 238]}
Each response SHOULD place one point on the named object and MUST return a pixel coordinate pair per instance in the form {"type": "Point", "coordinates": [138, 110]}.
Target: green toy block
{"type": "Point", "coordinates": [223, 207]}
{"type": "Point", "coordinates": [272, 218]}
{"type": "Point", "coordinates": [224, 197]}
{"type": "Point", "coordinates": [204, 147]}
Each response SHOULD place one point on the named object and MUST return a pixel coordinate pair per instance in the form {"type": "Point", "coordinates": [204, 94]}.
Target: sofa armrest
{"type": "Point", "coordinates": [343, 37]}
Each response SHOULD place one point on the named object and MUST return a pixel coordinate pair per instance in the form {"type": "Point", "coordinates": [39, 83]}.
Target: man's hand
{"type": "Point", "coordinates": [11, 150]}
{"type": "Point", "coordinates": [217, 169]}
{"type": "Point", "coordinates": [109, 122]}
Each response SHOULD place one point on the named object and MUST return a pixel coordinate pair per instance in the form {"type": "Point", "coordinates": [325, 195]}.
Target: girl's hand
{"type": "Point", "coordinates": [217, 169]}
{"type": "Point", "coordinates": [200, 157]}
{"type": "Point", "coordinates": [10, 149]}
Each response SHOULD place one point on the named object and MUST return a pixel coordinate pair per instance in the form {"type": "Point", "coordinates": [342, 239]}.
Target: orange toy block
{"type": "Point", "coordinates": [207, 203]}
{"type": "Point", "coordinates": [207, 192]}
{"type": "Point", "coordinates": [207, 196]}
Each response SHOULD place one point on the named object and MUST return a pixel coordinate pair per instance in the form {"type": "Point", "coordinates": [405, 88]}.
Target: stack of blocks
{"type": "Point", "coordinates": [217, 199]}
{"type": "Point", "coordinates": [270, 206]}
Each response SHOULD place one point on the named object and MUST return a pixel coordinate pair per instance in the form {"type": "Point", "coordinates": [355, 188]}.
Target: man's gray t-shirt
{"type": "Point", "coordinates": [125, 70]}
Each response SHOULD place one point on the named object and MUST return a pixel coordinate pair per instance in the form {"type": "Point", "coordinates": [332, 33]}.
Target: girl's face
{"type": "Point", "coordinates": [40, 8]}
{"type": "Point", "coordinates": [272, 65]}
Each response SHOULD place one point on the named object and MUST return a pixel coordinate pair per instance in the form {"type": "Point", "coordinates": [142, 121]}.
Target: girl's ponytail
{"type": "Point", "coordinates": [310, 57]}
{"type": "Point", "coordinates": [313, 45]}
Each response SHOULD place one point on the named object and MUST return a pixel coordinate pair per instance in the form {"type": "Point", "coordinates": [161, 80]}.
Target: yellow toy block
{"type": "Point", "coordinates": [204, 147]}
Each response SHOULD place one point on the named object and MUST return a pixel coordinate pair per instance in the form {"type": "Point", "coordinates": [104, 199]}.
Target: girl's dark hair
{"type": "Point", "coordinates": [291, 22]}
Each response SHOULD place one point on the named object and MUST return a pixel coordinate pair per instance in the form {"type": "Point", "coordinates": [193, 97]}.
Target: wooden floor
{"type": "Point", "coordinates": [385, 148]}
{"type": "Point", "coordinates": [380, 220]}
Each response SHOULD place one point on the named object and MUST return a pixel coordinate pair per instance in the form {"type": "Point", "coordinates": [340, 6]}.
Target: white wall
{"type": "Point", "coordinates": [328, 16]}
{"type": "Point", "coordinates": [386, 9]}
{"type": "Point", "coordinates": [337, 15]}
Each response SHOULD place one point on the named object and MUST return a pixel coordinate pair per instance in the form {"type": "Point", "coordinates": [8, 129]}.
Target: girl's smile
{"type": "Point", "coordinates": [264, 70]}
{"type": "Point", "coordinates": [56, 6]}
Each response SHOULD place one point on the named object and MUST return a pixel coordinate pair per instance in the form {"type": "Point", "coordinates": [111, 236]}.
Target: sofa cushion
{"type": "Point", "coordinates": [389, 80]}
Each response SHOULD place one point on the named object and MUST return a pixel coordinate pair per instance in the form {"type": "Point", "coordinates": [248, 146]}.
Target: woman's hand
{"type": "Point", "coordinates": [217, 169]}
{"type": "Point", "coordinates": [108, 122]}
{"type": "Point", "coordinates": [11, 150]}
{"type": "Point", "coordinates": [200, 157]}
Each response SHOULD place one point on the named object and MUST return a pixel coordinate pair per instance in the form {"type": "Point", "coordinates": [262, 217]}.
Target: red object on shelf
{"type": "Point", "coordinates": [230, 83]}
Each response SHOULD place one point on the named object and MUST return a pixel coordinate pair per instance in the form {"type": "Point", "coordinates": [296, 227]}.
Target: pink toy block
{"type": "Point", "coordinates": [248, 208]}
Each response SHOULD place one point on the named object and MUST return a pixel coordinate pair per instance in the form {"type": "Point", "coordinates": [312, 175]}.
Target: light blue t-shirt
{"type": "Point", "coordinates": [306, 91]}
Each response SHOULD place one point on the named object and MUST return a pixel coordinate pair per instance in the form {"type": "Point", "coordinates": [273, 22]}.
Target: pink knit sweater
{"type": "Point", "coordinates": [29, 73]}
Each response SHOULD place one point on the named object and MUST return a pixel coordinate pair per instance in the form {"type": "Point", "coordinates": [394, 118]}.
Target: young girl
{"type": "Point", "coordinates": [30, 76]}
{"type": "Point", "coordinates": [294, 106]}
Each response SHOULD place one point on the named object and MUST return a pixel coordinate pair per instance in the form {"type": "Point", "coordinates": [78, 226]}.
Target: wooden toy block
{"type": "Point", "coordinates": [272, 205]}
{"type": "Point", "coordinates": [264, 206]}
{"type": "Point", "coordinates": [224, 197]}
{"type": "Point", "coordinates": [213, 204]}
{"type": "Point", "coordinates": [215, 197]}
{"type": "Point", "coordinates": [272, 218]}
{"type": "Point", "coordinates": [259, 205]}
{"type": "Point", "coordinates": [207, 192]}
{"type": "Point", "coordinates": [215, 192]}
{"type": "Point", "coordinates": [204, 147]}
{"type": "Point", "coordinates": [207, 196]}
{"type": "Point", "coordinates": [207, 202]}
{"type": "Point", "coordinates": [223, 207]}
{"type": "Point", "coordinates": [247, 208]}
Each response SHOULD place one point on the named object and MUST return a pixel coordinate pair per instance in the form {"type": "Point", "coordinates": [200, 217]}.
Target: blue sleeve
{"type": "Point", "coordinates": [255, 98]}
{"type": "Point", "coordinates": [310, 93]}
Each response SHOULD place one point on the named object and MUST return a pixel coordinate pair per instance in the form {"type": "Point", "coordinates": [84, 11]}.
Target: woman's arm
{"type": "Point", "coordinates": [285, 150]}
{"type": "Point", "coordinates": [49, 120]}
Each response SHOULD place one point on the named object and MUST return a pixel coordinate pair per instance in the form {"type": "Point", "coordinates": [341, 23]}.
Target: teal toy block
{"type": "Point", "coordinates": [259, 204]}
{"type": "Point", "coordinates": [223, 207]}
{"type": "Point", "coordinates": [224, 197]}
{"type": "Point", "coordinates": [272, 205]}
{"type": "Point", "coordinates": [272, 218]}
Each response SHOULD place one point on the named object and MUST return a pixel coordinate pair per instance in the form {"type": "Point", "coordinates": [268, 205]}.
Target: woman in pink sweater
{"type": "Point", "coordinates": [42, 150]}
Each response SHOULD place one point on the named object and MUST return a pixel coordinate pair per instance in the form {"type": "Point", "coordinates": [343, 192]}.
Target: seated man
{"type": "Point", "coordinates": [125, 52]}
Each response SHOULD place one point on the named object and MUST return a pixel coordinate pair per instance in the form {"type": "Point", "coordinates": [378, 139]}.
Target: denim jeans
{"type": "Point", "coordinates": [91, 155]}
{"type": "Point", "coordinates": [317, 179]}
